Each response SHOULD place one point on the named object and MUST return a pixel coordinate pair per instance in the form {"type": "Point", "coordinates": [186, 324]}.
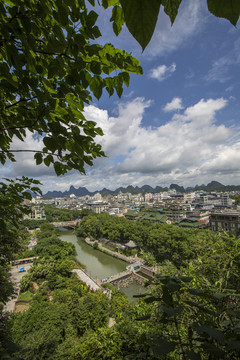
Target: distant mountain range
{"type": "Point", "coordinates": [82, 191]}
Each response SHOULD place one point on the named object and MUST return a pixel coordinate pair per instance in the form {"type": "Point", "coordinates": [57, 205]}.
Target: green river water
{"type": "Point", "coordinates": [100, 265]}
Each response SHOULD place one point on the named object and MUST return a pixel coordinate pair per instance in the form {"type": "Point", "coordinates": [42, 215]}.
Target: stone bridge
{"type": "Point", "coordinates": [69, 224]}
{"type": "Point", "coordinates": [129, 276]}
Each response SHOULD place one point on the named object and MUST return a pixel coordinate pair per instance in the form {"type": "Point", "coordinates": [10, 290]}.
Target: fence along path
{"type": "Point", "coordinates": [87, 280]}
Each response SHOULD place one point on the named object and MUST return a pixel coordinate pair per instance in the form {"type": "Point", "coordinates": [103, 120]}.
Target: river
{"type": "Point", "coordinates": [98, 264]}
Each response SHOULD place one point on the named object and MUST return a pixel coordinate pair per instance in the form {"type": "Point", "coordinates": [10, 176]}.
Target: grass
{"type": "Point", "coordinates": [26, 296]}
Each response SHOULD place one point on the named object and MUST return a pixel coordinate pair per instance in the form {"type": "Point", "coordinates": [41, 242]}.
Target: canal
{"type": "Point", "coordinates": [98, 264]}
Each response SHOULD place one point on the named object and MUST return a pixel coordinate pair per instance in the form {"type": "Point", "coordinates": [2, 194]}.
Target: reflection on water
{"type": "Point", "coordinates": [100, 265]}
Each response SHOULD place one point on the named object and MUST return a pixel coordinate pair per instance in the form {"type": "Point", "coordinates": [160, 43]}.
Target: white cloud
{"type": "Point", "coordinates": [169, 38]}
{"type": "Point", "coordinates": [162, 72]}
{"type": "Point", "coordinates": [175, 104]}
{"type": "Point", "coordinates": [174, 151]}
{"type": "Point", "coordinates": [190, 147]}
{"type": "Point", "coordinates": [222, 68]}
{"type": "Point", "coordinates": [25, 163]}
{"type": "Point", "coordinates": [203, 112]}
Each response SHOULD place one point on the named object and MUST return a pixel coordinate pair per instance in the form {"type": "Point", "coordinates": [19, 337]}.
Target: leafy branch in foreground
{"type": "Point", "coordinates": [12, 208]}
{"type": "Point", "coordinates": [194, 323]}
{"type": "Point", "coordinates": [140, 16]}
{"type": "Point", "coordinates": [12, 195]}
{"type": "Point", "coordinates": [50, 65]}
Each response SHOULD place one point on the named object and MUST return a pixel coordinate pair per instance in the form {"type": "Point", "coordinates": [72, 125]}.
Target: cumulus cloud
{"type": "Point", "coordinates": [24, 155]}
{"type": "Point", "coordinates": [162, 72]}
{"type": "Point", "coordinates": [191, 147]}
{"type": "Point", "coordinates": [175, 104]}
{"type": "Point", "coordinates": [173, 151]}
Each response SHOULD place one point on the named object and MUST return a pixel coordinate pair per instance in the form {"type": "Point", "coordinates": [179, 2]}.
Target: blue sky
{"type": "Point", "coordinates": [178, 123]}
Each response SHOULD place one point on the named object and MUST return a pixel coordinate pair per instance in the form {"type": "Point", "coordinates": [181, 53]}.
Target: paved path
{"type": "Point", "coordinates": [113, 253]}
{"type": "Point", "coordinates": [86, 279]}
{"type": "Point", "coordinates": [16, 277]}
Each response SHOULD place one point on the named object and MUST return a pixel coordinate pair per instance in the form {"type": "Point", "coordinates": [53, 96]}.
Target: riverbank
{"type": "Point", "coordinates": [128, 259]}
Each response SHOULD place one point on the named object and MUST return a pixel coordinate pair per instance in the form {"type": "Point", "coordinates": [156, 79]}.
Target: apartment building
{"type": "Point", "coordinates": [224, 220]}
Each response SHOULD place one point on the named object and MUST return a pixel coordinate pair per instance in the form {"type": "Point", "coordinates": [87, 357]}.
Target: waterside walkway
{"type": "Point", "coordinates": [128, 259]}
{"type": "Point", "coordinates": [87, 280]}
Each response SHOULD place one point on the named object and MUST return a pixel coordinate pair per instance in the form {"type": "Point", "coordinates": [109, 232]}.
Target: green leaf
{"type": "Point", "coordinates": [58, 168]}
{"type": "Point", "coordinates": [150, 300]}
{"type": "Point", "coordinates": [63, 15]}
{"type": "Point", "coordinates": [228, 9]}
{"type": "Point", "coordinates": [38, 158]}
{"type": "Point", "coordinates": [27, 195]}
{"type": "Point", "coordinates": [212, 332]}
{"type": "Point", "coordinates": [141, 18]}
{"type": "Point", "coordinates": [234, 345]}
{"type": "Point", "coordinates": [171, 8]}
{"type": "Point", "coordinates": [91, 18]}
{"type": "Point", "coordinates": [173, 286]}
{"type": "Point", "coordinates": [92, 2]}
{"type": "Point", "coordinates": [214, 350]}
{"type": "Point", "coordinates": [50, 143]}
{"type": "Point", "coordinates": [48, 160]}
{"type": "Point", "coordinates": [170, 311]}
{"type": "Point", "coordinates": [95, 67]}
{"type": "Point", "coordinates": [96, 86]}
{"type": "Point", "coordinates": [192, 355]}
{"type": "Point", "coordinates": [48, 86]}
{"type": "Point", "coordinates": [160, 346]}
{"type": "Point", "coordinates": [118, 19]}
{"type": "Point", "coordinates": [146, 317]}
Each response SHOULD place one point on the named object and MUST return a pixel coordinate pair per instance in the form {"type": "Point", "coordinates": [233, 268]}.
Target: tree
{"type": "Point", "coordinates": [12, 195]}
{"type": "Point", "coordinates": [49, 67]}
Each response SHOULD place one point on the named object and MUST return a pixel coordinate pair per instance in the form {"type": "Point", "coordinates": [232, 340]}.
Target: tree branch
{"type": "Point", "coordinates": [19, 101]}
{"type": "Point", "coordinates": [33, 151]}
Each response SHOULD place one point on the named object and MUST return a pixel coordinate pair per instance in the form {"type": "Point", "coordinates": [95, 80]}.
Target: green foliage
{"type": "Point", "coordinates": [5, 285]}
{"type": "Point", "coordinates": [32, 223]}
{"type": "Point", "coordinates": [194, 323]}
{"type": "Point", "coordinates": [12, 236]}
{"type": "Point", "coordinates": [25, 282]}
{"type": "Point", "coordinates": [102, 344]}
{"type": "Point", "coordinates": [12, 195]}
{"type": "Point", "coordinates": [41, 331]}
{"type": "Point", "coordinates": [54, 248]}
{"type": "Point", "coordinates": [95, 245]}
{"type": "Point", "coordinates": [26, 296]}
{"type": "Point", "coordinates": [49, 67]}
{"type": "Point", "coordinates": [92, 312]}
{"type": "Point", "coordinates": [56, 214]}
{"type": "Point", "coordinates": [141, 16]}
{"type": "Point", "coordinates": [226, 9]}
